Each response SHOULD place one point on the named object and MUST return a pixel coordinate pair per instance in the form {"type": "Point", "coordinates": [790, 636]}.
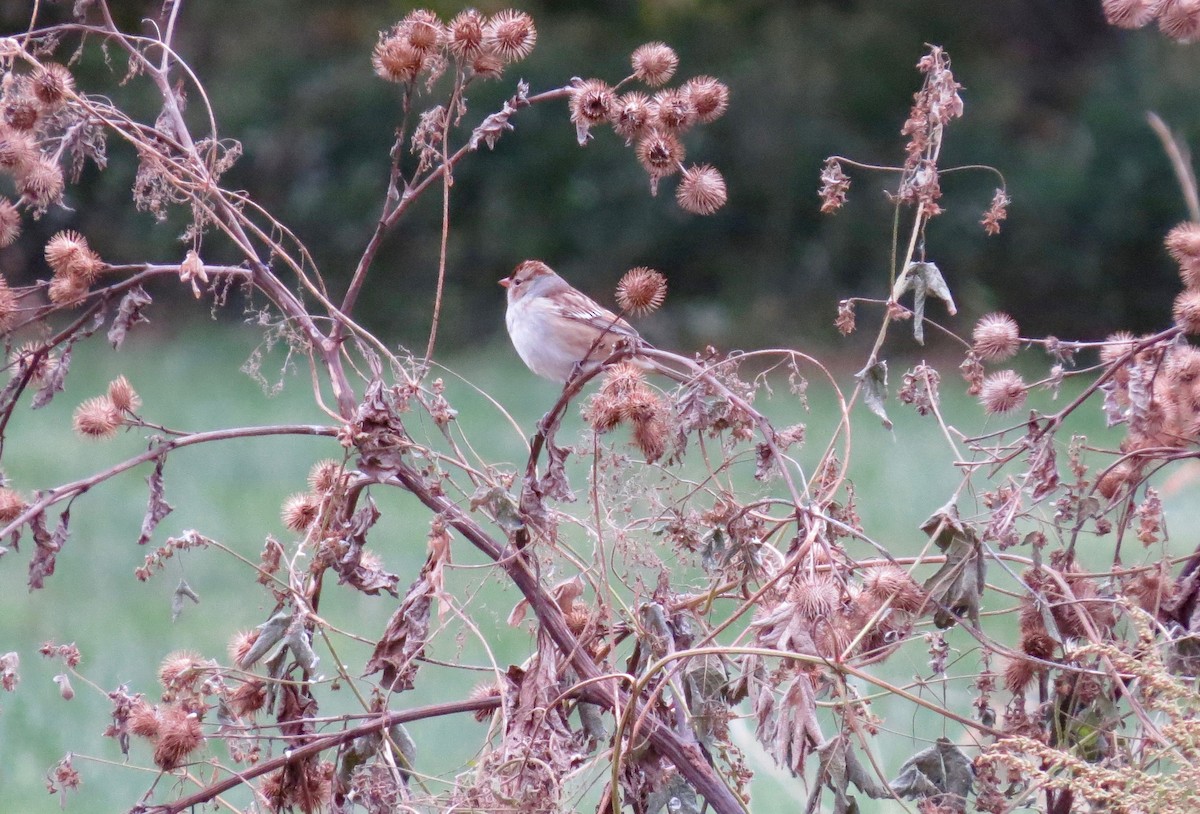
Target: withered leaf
{"type": "Point", "coordinates": [874, 384]}
{"type": "Point", "coordinates": [128, 314]}
{"type": "Point", "coordinates": [789, 729]}
{"type": "Point", "coordinates": [923, 279]}
{"type": "Point", "coordinates": [270, 633]}
{"type": "Point", "coordinates": [54, 381]}
{"type": "Point", "coordinates": [299, 640]}
{"type": "Point", "coordinates": [941, 769]}
{"type": "Point", "coordinates": [158, 507]}
{"type": "Point", "coordinates": [407, 748]}
{"type": "Point", "coordinates": [45, 556]}
{"type": "Point", "coordinates": [501, 505]}
{"type": "Point", "coordinates": [677, 797]}
{"type": "Point", "coordinates": [182, 591]}
{"type": "Point", "coordinates": [958, 584]}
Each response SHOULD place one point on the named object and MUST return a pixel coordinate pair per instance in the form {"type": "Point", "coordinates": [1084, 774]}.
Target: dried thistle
{"type": "Point", "coordinates": [395, 60]}
{"type": "Point", "coordinates": [41, 183]}
{"type": "Point", "coordinates": [1130, 13]}
{"type": "Point", "coordinates": [660, 154]}
{"type": "Point", "coordinates": [10, 222]}
{"type": "Point", "coordinates": [631, 115]}
{"type": "Point", "coordinates": [97, 418]}
{"type": "Point", "coordinates": [591, 103]}
{"type": "Point", "coordinates": [996, 337]}
{"type": "Point", "coordinates": [1180, 20]}
{"type": "Point", "coordinates": [249, 698]}
{"type": "Point", "coordinates": [510, 34]}
{"type": "Point", "coordinates": [422, 30]}
{"type": "Point", "coordinates": [18, 151]}
{"type": "Point", "coordinates": [11, 504]}
{"type": "Point", "coordinates": [68, 255]}
{"type": "Point", "coordinates": [654, 63]}
{"type": "Point", "coordinates": [709, 97]}
{"type": "Point", "coordinates": [1002, 392]}
{"type": "Point", "coordinates": [641, 290]}
{"type": "Point", "coordinates": [464, 36]}
{"type": "Point", "coordinates": [701, 191]}
{"type": "Point", "coordinates": [181, 670]}
{"type": "Point", "coordinates": [327, 476]}
{"type": "Point", "coordinates": [1116, 346]}
{"type": "Point", "coordinates": [22, 113]}
{"type": "Point", "coordinates": [673, 110]}
{"type": "Point", "coordinates": [123, 396]}
{"type": "Point", "coordinates": [51, 83]}
{"type": "Point", "coordinates": [144, 720]}
{"type": "Point", "coordinates": [1186, 311]}
{"type": "Point", "coordinates": [179, 735]}
{"type": "Point", "coordinates": [300, 511]}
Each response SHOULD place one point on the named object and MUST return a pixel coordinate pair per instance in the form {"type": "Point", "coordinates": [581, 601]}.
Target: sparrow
{"type": "Point", "coordinates": [555, 327]}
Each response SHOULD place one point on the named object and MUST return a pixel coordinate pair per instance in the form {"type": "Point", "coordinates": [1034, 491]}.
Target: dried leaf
{"type": "Point", "coordinates": [677, 797]}
{"type": "Point", "coordinates": [958, 584]}
{"type": "Point", "coordinates": [923, 279]}
{"type": "Point", "coordinates": [270, 633]}
{"type": "Point", "coordinates": [789, 729]}
{"type": "Point", "coordinates": [182, 591]}
{"type": "Point", "coordinates": [10, 665]}
{"type": "Point", "coordinates": [54, 381]}
{"type": "Point", "coordinates": [406, 748]}
{"type": "Point", "coordinates": [158, 507]}
{"type": "Point", "coordinates": [128, 314]}
{"type": "Point", "coordinates": [500, 505]}
{"type": "Point", "coordinates": [874, 383]}
{"type": "Point", "coordinates": [494, 126]}
{"type": "Point", "coordinates": [299, 640]}
{"type": "Point", "coordinates": [941, 769]}
{"type": "Point", "coordinates": [48, 545]}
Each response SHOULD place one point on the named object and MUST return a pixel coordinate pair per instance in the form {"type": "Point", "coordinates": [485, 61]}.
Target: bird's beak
{"type": "Point", "coordinates": [506, 282]}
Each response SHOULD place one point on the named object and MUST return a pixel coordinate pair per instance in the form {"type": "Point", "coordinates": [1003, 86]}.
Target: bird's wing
{"type": "Point", "coordinates": [600, 318]}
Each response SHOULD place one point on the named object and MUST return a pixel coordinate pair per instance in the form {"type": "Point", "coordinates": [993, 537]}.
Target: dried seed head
{"type": "Point", "coordinates": [22, 112]}
{"type": "Point", "coordinates": [30, 354]}
{"type": "Point", "coordinates": [709, 96]}
{"type": "Point", "coordinates": [815, 597]}
{"type": "Point", "coordinates": [1114, 480]}
{"type": "Point", "coordinates": [488, 65]}
{"type": "Point", "coordinates": [18, 150]}
{"type": "Point", "coordinates": [591, 102]}
{"type": "Point", "coordinates": [510, 34]}
{"type": "Point", "coordinates": [51, 84]}
{"type": "Point", "coordinates": [239, 646]}
{"type": "Point", "coordinates": [996, 337]}
{"type": "Point", "coordinates": [602, 412]}
{"type": "Point", "coordinates": [179, 735]}
{"type": "Point", "coordinates": [1183, 365]}
{"type": "Point", "coordinates": [1116, 346]}
{"type": "Point", "coordinates": [660, 154]}
{"type": "Point", "coordinates": [123, 396]}
{"type": "Point", "coordinates": [1180, 20]}
{"type": "Point", "coordinates": [654, 63]}
{"type": "Point", "coordinates": [641, 290]}
{"type": "Point", "coordinates": [10, 222]}
{"type": "Point", "coordinates": [396, 61]}
{"type": "Point", "coordinates": [651, 434]}
{"type": "Point", "coordinates": [1002, 392]}
{"type": "Point", "coordinates": [622, 379]}
{"type": "Point", "coordinates": [67, 291]}
{"type": "Point", "coordinates": [888, 581]}
{"type": "Point", "coordinates": [1130, 13]}
{"type": "Point", "coordinates": [1019, 673]}
{"type": "Point", "coordinates": [68, 255]}
{"type": "Point", "coordinates": [300, 511]}
{"type": "Point", "coordinates": [422, 30]}
{"type": "Point", "coordinates": [1187, 311]}
{"type": "Point", "coordinates": [479, 692]}
{"type": "Point", "coordinates": [701, 191]}
{"type": "Point", "coordinates": [631, 114]}
{"type": "Point", "coordinates": [248, 698]}
{"type": "Point", "coordinates": [834, 186]}
{"type": "Point", "coordinates": [326, 476]}
{"type": "Point", "coordinates": [464, 36]}
{"type": "Point", "coordinates": [1183, 242]}
{"type": "Point", "coordinates": [144, 721]}
{"type": "Point", "coordinates": [41, 183]}
{"type": "Point", "coordinates": [674, 110]}
{"type": "Point", "coordinates": [181, 670]}
{"type": "Point", "coordinates": [97, 418]}
{"type": "Point", "coordinates": [11, 504]}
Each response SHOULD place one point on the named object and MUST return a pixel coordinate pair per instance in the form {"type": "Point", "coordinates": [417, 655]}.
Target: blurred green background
{"type": "Point", "coordinates": [1054, 98]}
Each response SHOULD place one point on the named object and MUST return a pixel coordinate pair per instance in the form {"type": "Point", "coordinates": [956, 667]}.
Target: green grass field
{"type": "Point", "coordinates": [232, 492]}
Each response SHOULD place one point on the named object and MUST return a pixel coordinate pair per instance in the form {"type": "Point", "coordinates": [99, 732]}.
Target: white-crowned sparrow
{"type": "Point", "coordinates": [555, 327]}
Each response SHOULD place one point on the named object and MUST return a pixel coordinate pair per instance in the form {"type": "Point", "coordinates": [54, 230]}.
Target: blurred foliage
{"type": "Point", "coordinates": [1055, 100]}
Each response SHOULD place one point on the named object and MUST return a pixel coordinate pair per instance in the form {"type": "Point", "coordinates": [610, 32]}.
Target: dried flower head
{"type": "Point", "coordinates": [144, 721]}
{"type": "Point", "coordinates": [485, 690]}
{"type": "Point", "coordinates": [1183, 242]}
{"type": "Point", "coordinates": [181, 670]}
{"type": "Point", "coordinates": [22, 112]}
{"type": "Point", "coordinates": [1180, 20]}
{"type": "Point", "coordinates": [240, 644]}
{"type": "Point", "coordinates": [51, 83]}
{"type": "Point", "coordinates": [248, 698]}
{"type": "Point", "coordinates": [660, 155]}
{"type": "Point", "coordinates": [701, 190]}
{"type": "Point", "coordinates": [641, 290]}
{"type": "Point", "coordinates": [11, 504]}
{"type": "Point", "coordinates": [834, 186]}
{"type": "Point", "coordinates": [631, 114]}
{"type": "Point", "coordinates": [815, 597]}
{"type": "Point", "coordinates": [422, 30]}
{"type": "Point", "coordinates": [68, 255]}
{"type": "Point", "coordinates": [1186, 311]}
{"type": "Point", "coordinates": [464, 34]}
{"type": "Point", "coordinates": [1002, 392]}
{"type": "Point", "coordinates": [67, 291]}
{"type": "Point", "coordinates": [32, 355]}
{"type": "Point", "coordinates": [395, 60]}
{"type": "Point", "coordinates": [41, 183]}
{"type": "Point", "coordinates": [179, 735]}
{"type": "Point", "coordinates": [327, 476]}
{"type": "Point", "coordinates": [1118, 477]}
{"type": "Point", "coordinates": [654, 63]}
{"type": "Point", "coordinates": [1116, 346]}
{"type": "Point", "coordinates": [18, 150]}
{"type": "Point", "coordinates": [1130, 13]}
{"type": "Point", "coordinates": [889, 582]}
{"type": "Point", "coordinates": [673, 110]}
{"type": "Point", "coordinates": [300, 511]}
{"type": "Point", "coordinates": [10, 222]}
{"type": "Point", "coordinates": [510, 34]}
{"type": "Point", "coordinates": [651, 434]}
{"type": "Point", "coordinates": [488, 65]}
{"type": "Point", "coordinates": [123, 396]}
{"type": "Point", "coordinates": [591, 103]}
{"type": "Point", "coordinates": [97, 418]}
{"type": "Point", "coordinates": [709, 96]}
{"type": "Point", "coordinates": [1183, 365]}
{"type": "Point", "coordinates": [996, 337]}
